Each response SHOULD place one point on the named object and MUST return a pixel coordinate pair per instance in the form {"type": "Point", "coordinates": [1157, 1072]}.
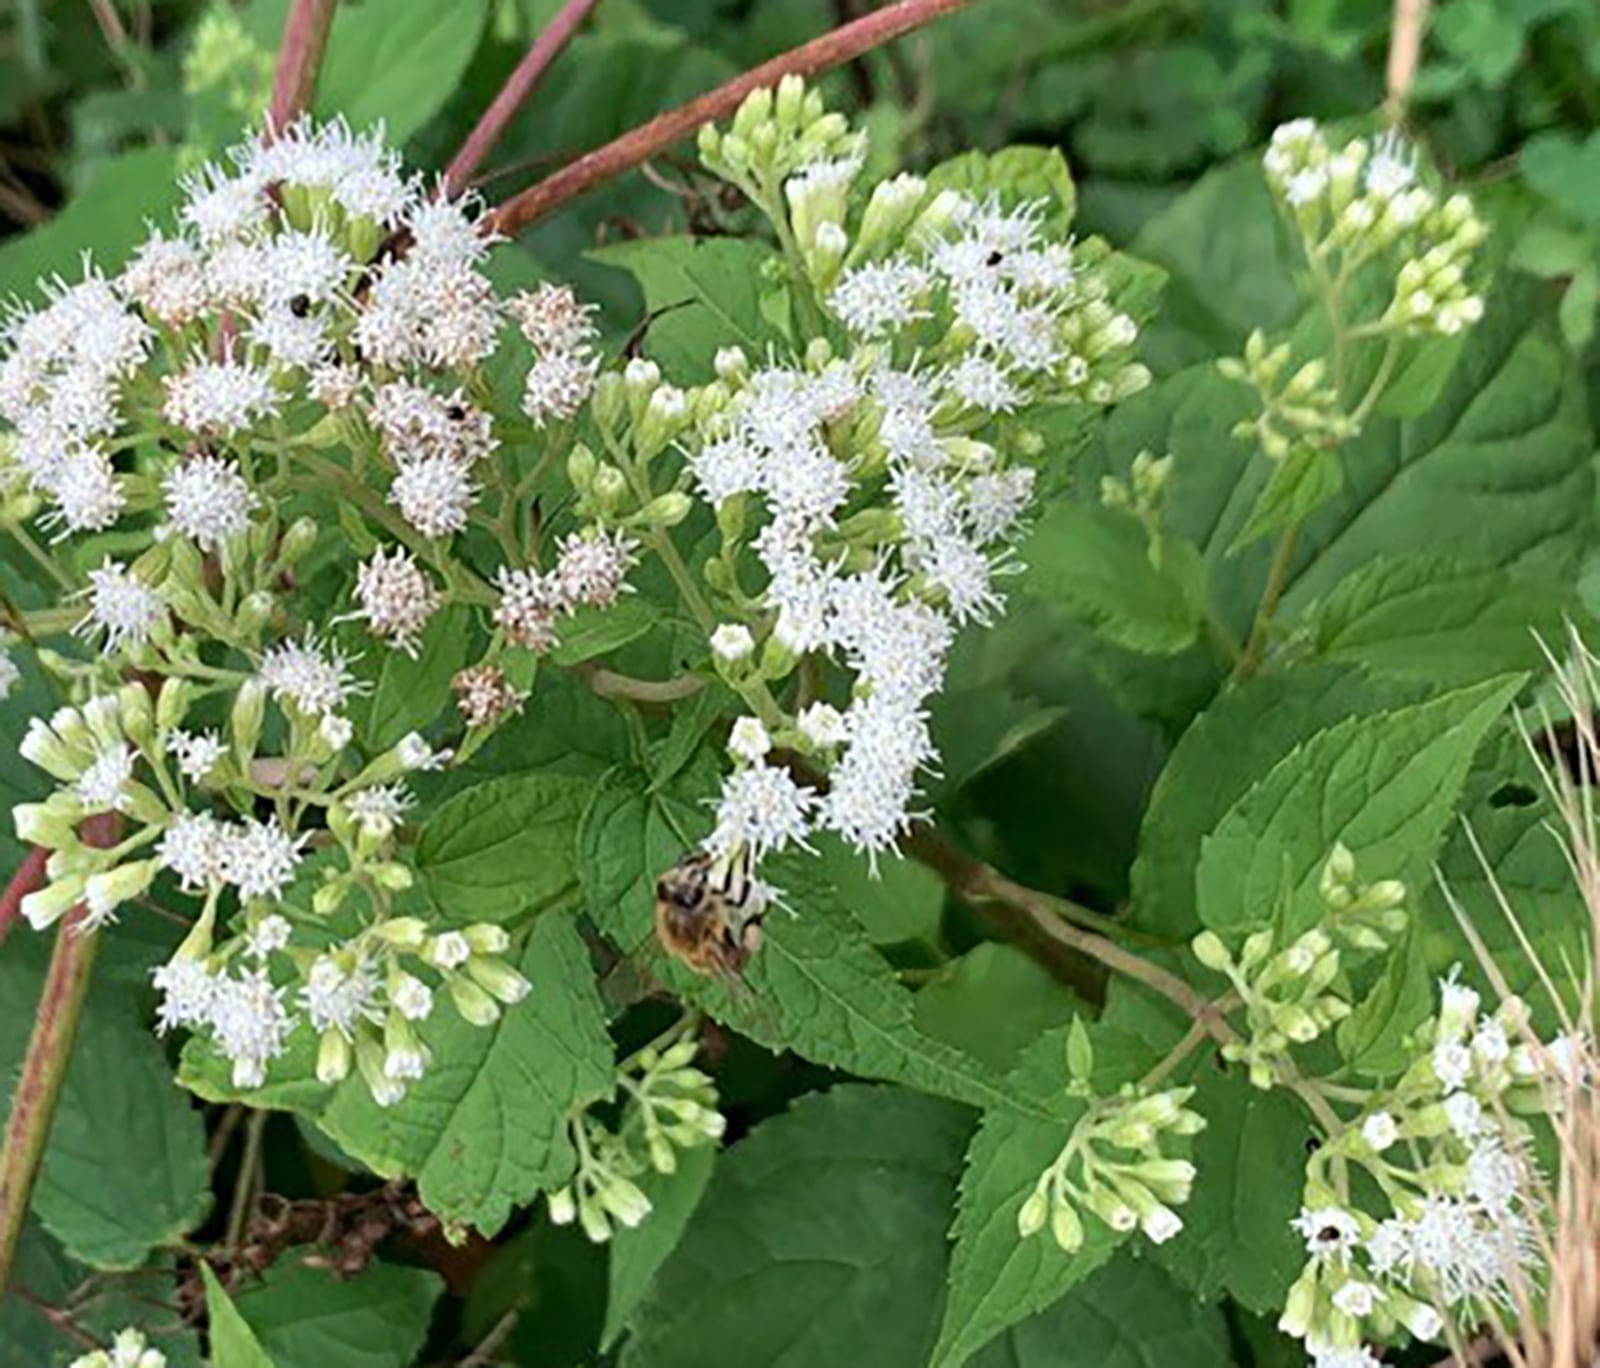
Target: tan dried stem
{"type": "Point", "coordinates": [1405, 53]}
{"type": "Point", "coordinates": [633, 149]}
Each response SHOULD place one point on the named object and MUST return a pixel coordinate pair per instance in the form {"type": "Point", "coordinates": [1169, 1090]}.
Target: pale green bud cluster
{"type": "Point", "coordinates": [1114, 1168]}
{"type": "Point", "coordinates": [1363, 207]}
{"type": "Point", "coordinates": [1300, 408]}
{"type": "Point", "coordinates": [669, 1105]}
{"type": "Point", "coordinates": [639, 416]}
{"type": "Point", "coordinates": [1363, 916]}
{"type": "Point", "coordinates": [774, 133]}
{"type": "Point", "coordinates": [223, 57]}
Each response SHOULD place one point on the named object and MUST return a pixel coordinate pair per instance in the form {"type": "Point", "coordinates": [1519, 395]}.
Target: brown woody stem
{"type": "Point", "coordinates": [44, 1067]}
{"type": "Point", "coordinates": [530, 71]}
{"type": "Point", "coordinates": [29, 876]}
{"type": "Point", "coordinates": [305, 38]}
{"type": "Point", "coordinates": [843, 44]}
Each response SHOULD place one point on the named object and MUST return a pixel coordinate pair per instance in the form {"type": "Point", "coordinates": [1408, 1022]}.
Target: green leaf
{"type": "Point", "coordinates": [1014, 174]}
{"type": "Point", "coordinates": [485, 1131]}
{"type": "Point", "coordinates": [502, 848]}
{"type": "Point", "coordinates": [397, 60]}
{"type": "Point", "coordinates": [900, 901]}
{"type": "Point", "coordinates": [1228, 748]}
{"type": "Point", "coordinates": [106, 217]}
{"type": "Point", "coordinates": [1249, 1162]}
{"type": "Point", "coordinates": [1373, 1038]}
{"type": "Point", "coordinates": [1299, 485]}
{"type": "Point", "coordinates": [1566, 172]}
{"type": "Point", "coordinates": [1095, 562]}
{"type": "Point", "coordinates": [636, 1254]}
{"type": "Point", "coordinates": [411, 693]}
{"type": "Point", "coordinates": [817, 987]}
{"type": "Point", "coordinates": [1129, 1314]}
{"type": "Point", "coordinates": [996, 1277]}
{"type": "Point", "coordinates": [1441, 619]}
{"type": "Point", "coordinates": [1385, 785]}
{"type": "Point", "coordinates": [702, 295]}
{"type": "Point", "coordinates": [993, 1002]}
{"type": "Point", "coordinates": [307, 1317]}
{"type": "Point", "coordinates": [819, 1240]}
{"type": "Point", "coordinates": [109, 1192]}
{"type": "Point", "coordinates": [233, 1344]}
{"type": "Point", "coordinates": [590, 632]}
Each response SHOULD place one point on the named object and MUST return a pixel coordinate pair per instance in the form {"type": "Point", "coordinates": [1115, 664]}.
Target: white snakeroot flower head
{"type": "Point", "coordinates": [1329, 1232]}
{"type": "Point", "coordinates": [558, 384]}
{"type": "Point", "coordinates": [1494, 1176]}
{"type": "Point", "coordinates": [983, 383]}
{"type": "Point", "coordinates": [314, 677]}
{"type": "Point", "coordinates": [823, 725]}
{"type": "Point", "coordinates": [1452, 1064]}
{"type": "Point", "coordinates": [187, 990]}
{"type": "Point", "coordinates": [396, 598]}
{"type": "Point", "coordinates": [194, 847]}
{"type": "Point", "coordinates": [10, 675]}
{"type": "Point", "coordinates": [592, 570]}
{"type": "Point", "coordinates": [338, 993]}
{"type": "Point", "coordinates": [208, 500]}
{"type": "Point", "coordinates": [197, 753]}
{"type": "Point", "coordinates": [220, 207]}
{"type": "Point", "coordinates": [414, 753]}
{"type": "Point", "coordinates": [1458, 1007]}
{"type": "Point", "coordinates": [378, 810]}
{"type": "Point", "coordinates": [1356, 1298]}
{"type": "Point", "coordinates": [1160, 1224]}
{"type": "Point", "coordinates": [250, 1023]}
{"type": "Point", "coordinates": [1392, 167]}
{"type": "Point", "coordinates": [881, 297]}
{"type": "Point", "coordinates": [553, 319]}
{"type": "Point", "coordinates": [167, 279]}
{"type": "Point", "coordinates": [336, 732]}
{"type": "Point", "coordinates": [732, 642]}
{"type": "Point", "coordinates": [269, 935]}
{"type": "Point", "coordinates": [88, 496]}
{"type": "Point", "coordinates": [1491, 1047]}
{"type": "Point", "coordinates": [260, 858]}
{"type": "Point", "coordinates": [410, 996]}
{"type": "Point", "coordinates": [434, 494]}
{"type": "Point", "coordinates": [100, 787]}
{"type": "Point", "coordinates": [727, 466]}
{"type": "Point", "coordinates": [1380, 1131]}
{"type": "Point", "coordinates": [130, 1349]}
{"type": "Point", "coordinates": [761, 808]}
{"type": "Point", "coordinates": [335, 386]}
{"type": "Point", "coordinates": [416, 422]}
{"type": "Point", "coordinates": [1464, 1114]}
{"type": "Point", "coordinates": [748, 741]}
{"type": "Point", "coordinates": [219, 397]}
{"type": "Point", "coordinates": [530, 603]}
{"type": "Point", "coordinates": [122, 606]}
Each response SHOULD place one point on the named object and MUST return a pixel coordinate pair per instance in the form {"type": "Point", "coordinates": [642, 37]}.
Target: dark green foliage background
{"type": "Point", "coordinates": [1088, 747]}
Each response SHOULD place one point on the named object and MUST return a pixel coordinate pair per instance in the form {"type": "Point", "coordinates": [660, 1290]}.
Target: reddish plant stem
{"type": "Point", "coordinates": [530, 71]}
{"type": "Point", "coordinates": [29, 877]}
{"type": "Point", "coordinates": [305, 37]}
{"type": "Point", "coordinates": [632, 149]}
{"type": "Point", "coordinates": [44, 1067]}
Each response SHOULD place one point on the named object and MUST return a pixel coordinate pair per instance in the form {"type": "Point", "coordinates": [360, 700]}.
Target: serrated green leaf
{"type": "Point", "coordinates": [1385, 785]}
{"type": "Point", "coordinates": [305, 1317]}
{"type": "Point", "coordinates": [993, 1002]}
{"type": "Point", "coordinates": [502, 848]}
{"type": "Point", "coordinates": [1249, 1165]}
{"type": "Point", "coordinates": [233, 1343]}
{"type": "Point", "coordinates": [110, 1193]}
{"type": "Point", "coordinates": [412, 692]}
{"type": "Point", "coordinates": [637, 1254]}
{"type": "Point", "coordinates": [485, 1130]}
{"type": "Point", "coordinates": [817, 987]}
{"type": "Point", "coordinates": [1440, 619]}
{"type": "Point", "coordinates": [1014, 174]}
{"type": "Point", "coordinates": [702, 294]}
{"type": "Point", "coordinates": [1129, 1314]}
{"type": "Point", "coordinates": [1230, 746]}
{"type": "Point", "coordinates": [1095, 563]}
{"type": "Point", "coordinates": [1373, 1037]}
{"type": "Point", "coordinates": [819, 1240]}
{"type": "Point", "coordinates": [590, 632]}
{"type": "Point", "coordinates": [996, 1277]}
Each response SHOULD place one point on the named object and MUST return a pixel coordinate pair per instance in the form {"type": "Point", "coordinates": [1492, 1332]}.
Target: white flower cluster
{"type": "Point", "coordinates": [1365, 203]}
{"type": "Point", "coordinates": [671, 1106]}
{"type": "Point", "coordinates": [1113, 1166]}
{"type": "Point", "coordinates": [1446, 1148]}
{"type": "Point", "coordinates": [877, 490]}
{"type": "Point", "coordinates": [590, 571]}
{"type": "Point", "coordinates": [130, 1349]}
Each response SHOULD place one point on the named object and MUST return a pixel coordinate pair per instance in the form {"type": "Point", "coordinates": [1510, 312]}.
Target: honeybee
{"type": "Point", "coordinates": [708, 913]}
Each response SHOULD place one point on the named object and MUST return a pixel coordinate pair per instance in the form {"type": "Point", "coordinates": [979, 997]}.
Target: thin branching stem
{"type": "Point", "coordinates": [632, 149]}
{"type": "Point", "coordinates": [549, 45]}
{"type": "Point", "coordinates": [305, 39]}
{"type": "Point", "coordinates": [29, 876]}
